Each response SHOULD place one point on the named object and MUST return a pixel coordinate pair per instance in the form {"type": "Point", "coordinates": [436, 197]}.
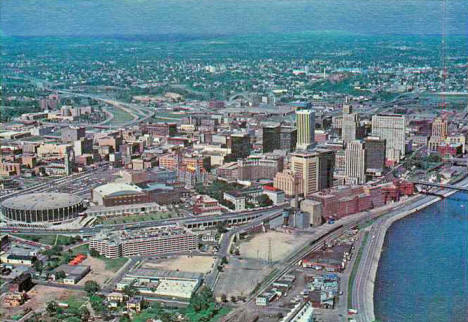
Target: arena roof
{"type": "Point", "coordinates": [116, 188]}
{"type": "Point", "coordinates": [41, 201]}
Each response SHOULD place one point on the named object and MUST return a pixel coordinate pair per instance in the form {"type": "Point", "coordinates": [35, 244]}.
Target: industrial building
{"type": "Point", "coordinates": [168, 284]}
{"type": "Point", "coordinates": [73, 273]}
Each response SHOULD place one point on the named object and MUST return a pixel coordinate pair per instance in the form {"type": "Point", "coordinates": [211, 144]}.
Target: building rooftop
{"type": "Point", "coordinates": [116, 188]}
{"type": "Point", "coordinates": [72, 269]}
{"type": "Point", "coordinates": [162, 232]}
{"type": "Point", "coordinates": [41, 201]}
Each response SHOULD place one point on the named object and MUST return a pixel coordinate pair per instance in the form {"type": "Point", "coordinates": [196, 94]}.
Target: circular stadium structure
{"type": "Point", "coordinates": [42, 208]}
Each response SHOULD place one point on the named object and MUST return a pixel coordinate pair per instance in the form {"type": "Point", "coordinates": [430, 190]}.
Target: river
{"type": "Point", "coordinates": [423, 270]}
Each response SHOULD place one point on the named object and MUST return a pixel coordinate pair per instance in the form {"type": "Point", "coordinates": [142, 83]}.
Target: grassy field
{"type": "Point", "coordinates": [120, 116]}
{"type": "Point", "coordinates": [75, 301]}
{"type": "Point", "coordinates": [111, 264]}
{"type": "Point", "coordinates": [48, 239]}
{"type": "Point", "coordinates": [134, 218]}
{"type": "Point", "coordinates": [82, 249]}
{"type": "Point", "coordinates": [114, 264]}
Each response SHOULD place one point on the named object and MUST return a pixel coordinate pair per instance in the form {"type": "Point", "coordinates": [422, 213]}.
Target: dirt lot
{"type": "Point", "coordinates": [282, 244]}
{"type": "Point", "coordinates": [98, 271]}
{"type": "Point", "coordinates": [39, 295]}
{"type": "Point", "coordinates": [194, 264]}
{"type": "Point", "coordinates": [240, 276]}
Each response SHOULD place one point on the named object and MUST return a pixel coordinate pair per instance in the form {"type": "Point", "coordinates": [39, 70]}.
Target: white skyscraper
{"type": "Point", "coordinates": [305, 122]}
{"type": "Point", "coordinates": [391, 128]}
{"type": "Point", "coordinates": [355, 158]}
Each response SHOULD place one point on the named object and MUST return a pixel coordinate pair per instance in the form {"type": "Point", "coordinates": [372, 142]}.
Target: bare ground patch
{"type": "Point", "coordinates": [98, 271]}
{"type": "Point", "coordinates": [282, 244]}
{"type": "Point", "coordinates": [192, 264]}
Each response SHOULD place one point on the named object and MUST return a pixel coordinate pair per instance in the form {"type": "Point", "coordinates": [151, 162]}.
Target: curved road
{"type": "Point", "coordinates": [363, 286]}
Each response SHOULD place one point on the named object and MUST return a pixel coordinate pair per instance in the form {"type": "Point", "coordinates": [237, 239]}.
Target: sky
{"type": "Point", "coordinates": [228, 17]}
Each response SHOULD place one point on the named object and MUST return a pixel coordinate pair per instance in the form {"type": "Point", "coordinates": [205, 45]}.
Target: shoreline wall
{"type": "Point", "coordinates": [385, 226]}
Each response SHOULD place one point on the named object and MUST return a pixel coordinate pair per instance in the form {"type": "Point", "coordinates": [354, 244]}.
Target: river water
{"type": "Point", "coordinates": [423, 270]}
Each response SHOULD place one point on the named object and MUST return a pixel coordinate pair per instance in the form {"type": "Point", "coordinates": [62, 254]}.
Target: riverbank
{"type": "Point", "coordinates": [363, 288]}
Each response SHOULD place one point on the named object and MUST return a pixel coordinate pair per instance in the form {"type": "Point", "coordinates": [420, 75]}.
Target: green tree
{"type": "Point", "coordinates": [97, 303]}
{"type": "Point", "coordinates": [130, 290]}
{"type": "Point", "coordinates": [60, 275]}
{"type": "Point", "coordinates": [84, 313]}
{"type": "Point", "coordinates": [91, 287]}
{"type": "Point", "coordinates": [264, 200]}
{"type": "Point", "coordinates": [221, 226]}
{"type": "Point", "coordinates": [201, 300]}
{"type": "Point", "coordinates": [52, 308]}
{"type": "Point", "coordinates": [93, 252]}
{"type": "Point", "coordinates": [38, 266]}
{"type": "Point", "coordinates": [228, 204]}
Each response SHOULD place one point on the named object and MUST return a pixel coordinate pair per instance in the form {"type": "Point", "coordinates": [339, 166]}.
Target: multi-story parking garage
{"type": "Point", "coordinates": [42, 209]}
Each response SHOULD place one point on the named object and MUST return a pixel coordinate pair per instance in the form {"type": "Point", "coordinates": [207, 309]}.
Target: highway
{"type": "Point", "coordinates": [362, 301]}
{"type": "Point", "coordinates": [138, 113]}
{"type": "Point", "coordinates": [189, 220]}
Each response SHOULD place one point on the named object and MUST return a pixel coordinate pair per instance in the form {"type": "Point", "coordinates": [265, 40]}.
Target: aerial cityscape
{"type": "Point", "coordinates": [283, 160]}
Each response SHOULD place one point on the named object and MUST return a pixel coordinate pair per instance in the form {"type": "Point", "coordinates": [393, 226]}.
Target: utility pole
{"type": "Point", "coordinates": [269, 252]}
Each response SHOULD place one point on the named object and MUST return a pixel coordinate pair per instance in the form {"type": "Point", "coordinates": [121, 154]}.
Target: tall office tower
{"type": "Point", "coordinates": [271, 137]}
{"type": "Point", "coordinates": [288, 138]}
{"type": "Point", "coordinates": [69, 160]}
{"type": "Point", "coordinates": [239, 144]}
{"type": "Point", "coordinates": [326, 168]}
{"type": "Point", "coordinates": [375, 155]}
{"type": "Point", "coordinates": [440, 128]}
{"type": "Point", "coordinates": [278, 137]}
{"type": "Point", "coordinates": [305, 122]}
{"type": "Point", "coordinates": [314, 169]}
{"type": "Point", "coordinates": [355, 158]}
{"type": "Point", "coordinates": [391, 128]}
{"type": "Point", "coordinates": [350, 124]}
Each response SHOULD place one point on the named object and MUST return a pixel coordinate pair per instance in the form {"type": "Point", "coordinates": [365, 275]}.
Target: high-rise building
{"type": "Point", "coordinates": [315, 169]}
{"type": "Point", "coordinates": [289, 183]}
{"type": "Point", "coordinates": [355, 158]}
{"type": "Point", "coordinates": [239, 143]}
{"type": "Point", "coordinates": [278, 137]}
{"type": "Point", "coordinates": [375, 155]}
{"type": "Point", "coordinates": [71, 134]}
{"type": "Point", "coordinates": [305, 122]}
{"type": "Point", "coordinates": [350, 126]}
{"type": "Point", "coordinates": [440, 128]}
{"type": "Point", "coordinates": [392, 129]}
{"type": "Point", "coordinates": [326, 168]}
{"type": "Point", "coordinates": [271, 137]}
{"type": "Point", "coordinates": [69, 160]}
{"type": "Point", "coordinates": [288, 138]}
{"type": "Point", "coordinates": [257, 167]}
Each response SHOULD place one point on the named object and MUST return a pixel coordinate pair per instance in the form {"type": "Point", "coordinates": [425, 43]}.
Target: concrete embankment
{"type": "Point", "coordinates": [375, 252]}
